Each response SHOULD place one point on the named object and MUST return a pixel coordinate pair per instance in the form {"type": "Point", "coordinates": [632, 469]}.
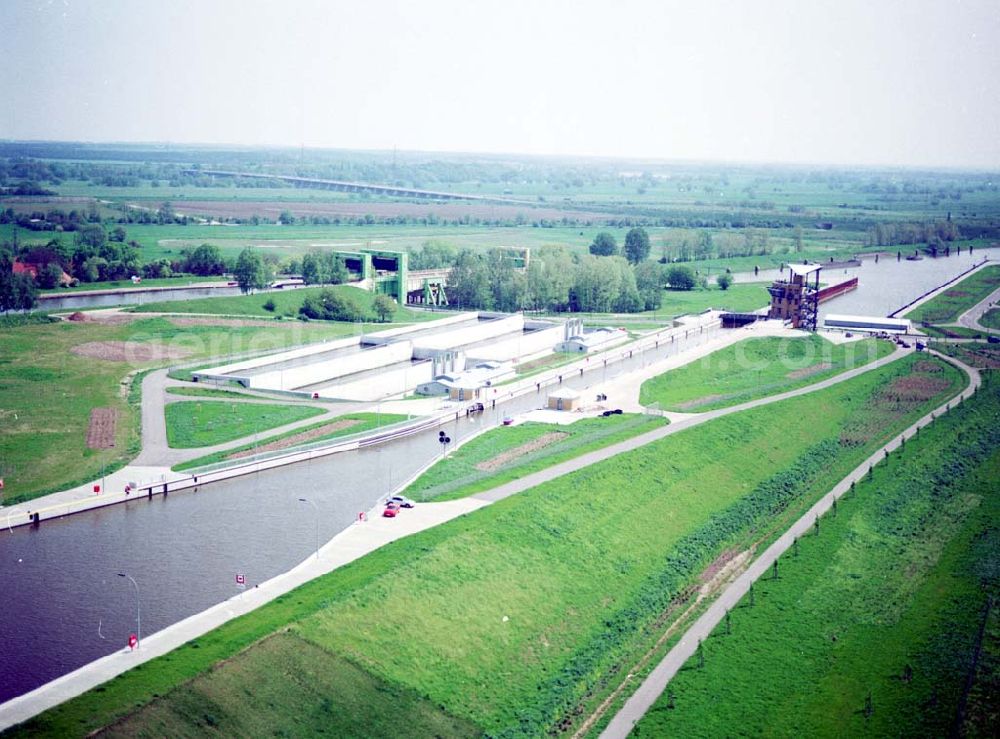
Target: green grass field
{"type": "Point", "coordinates": [513, 616]}
{"type": "Point", "coordinates": [991, 319]}
{"type": "Point", "coordinates": [741, 297]}
{"type": "Point", "coordinates": [458, 475]}
{"type": "Point", "coordinates": [47, 391]}
{"type": "Point", "coordinates": [953, 302]}
{"type": "Point", "coordinates": [366, 422]}
{"type": "Point", "coordinates": [753, 368]}
{"type": "Point", "coordinates": [192, 423]}
{"type": "Point", "coordinates": [886, 602]}
{"type": "Point", "coordinates": [286, 304]}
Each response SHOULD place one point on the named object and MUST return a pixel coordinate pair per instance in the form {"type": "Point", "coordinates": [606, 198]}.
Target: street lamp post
{"type": "Point", "coordinates": [306, 500]}
{"type": "Point", "coordinates": [138, 610]}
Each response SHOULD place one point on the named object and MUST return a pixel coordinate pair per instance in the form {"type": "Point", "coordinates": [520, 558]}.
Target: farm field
{"type": "Point", "coordinates": [192, 423]}
{"type": "Point", "coordinates": [754, 368]}
{"type": "Point", "coordinates": [286, 304]}
{"type": "Point", "coordinates": [880, 613]}
{"type": "Point", "coordinates": [953, 302]}
{"type": "Point", "coordinates": [511, 618]}
{"type": "Point", "coordinates": [53, 374]}
{"type": "Point", "coordinates": [351, 423]}
{"type": "Point", "coordinates": [508, 453]}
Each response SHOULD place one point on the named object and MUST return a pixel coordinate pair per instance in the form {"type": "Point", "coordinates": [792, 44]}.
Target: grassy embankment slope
{"type": "Point", "coordinates": [192, 423]}
{"type": "Point", "coordinates": [351, 423]}
{"type": "Point", "coordinates": [882, 608]}
{"type": "Point", "coordinates": [473, 467]}
{"type": "Point", "coordinates": [286, 303]}
{"type": "Point", "coordinates": [754, 368]}
{"type": "Point", "coordinates": [512, 617]}
{"type": "Point", "coordinates": [949, 305]}
{"type": "Point", "coordinates": [991, 319]}
{"type": "Point", "coordinates": [47, 391]}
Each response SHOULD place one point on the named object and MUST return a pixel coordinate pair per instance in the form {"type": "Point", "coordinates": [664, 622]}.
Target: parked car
{"type": "Point", "coordinates": [401, 500]}
{"type": "Point", "coordinates": [391, 510]}
{"type": "Point", "coordinates": [507, 420]}
{"type": "Point", "coordinates": [993, 339]}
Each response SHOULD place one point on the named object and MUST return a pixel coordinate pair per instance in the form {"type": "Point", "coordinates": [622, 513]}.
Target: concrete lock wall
{"type": "Point", "coordinates": [237, 367]}
{"type": "Point", "coordinates": [310, 374]}
{"type": "Point", "coordinates": [427, 346]}
{"type": "Point", "coordinates": [391, 334]}
{"type": "Point", "coordinates": [396, 380]}
{"type": "Point", "coordinates": [518, 345]}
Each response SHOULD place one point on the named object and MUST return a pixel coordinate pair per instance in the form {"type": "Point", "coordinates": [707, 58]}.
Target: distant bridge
{"type": "Point", "coordinates": [344, 186]}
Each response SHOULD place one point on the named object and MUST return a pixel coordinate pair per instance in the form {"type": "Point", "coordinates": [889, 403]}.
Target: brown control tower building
{"type": "Point", "coordinates": [797, 298]}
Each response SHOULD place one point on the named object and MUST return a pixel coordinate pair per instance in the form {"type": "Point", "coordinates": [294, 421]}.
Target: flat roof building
{"type": "Point", "coordinates": [867, 323]}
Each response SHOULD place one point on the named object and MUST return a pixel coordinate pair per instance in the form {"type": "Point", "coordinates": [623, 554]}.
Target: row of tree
{"type": "Point", "coordinates": [558, 280]}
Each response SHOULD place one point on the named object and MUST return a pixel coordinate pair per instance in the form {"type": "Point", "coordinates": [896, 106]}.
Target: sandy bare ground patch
{"type": "Point", "coordinates": [101, 430]}
{"type": "Point", "coordinates": [501, 459]}
{"type": "Point", "coordinates": [128, 351]}
{"type": "Point", "coordinates": [108, 319]}
{"type": "Point", "coordinates": [297, 438]}
{"type": "Point", "coordinates": [809, 371]}
{"type": "Point", "coordinates": [236, 322]}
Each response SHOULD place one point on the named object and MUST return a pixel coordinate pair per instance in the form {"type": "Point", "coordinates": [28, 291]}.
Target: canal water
{"type": "Point", "coordinates": [62, 603]}
{"type": "Point", "coordinates": [138, 296]}
{"type": "Point", "coordinates": [886, 285]}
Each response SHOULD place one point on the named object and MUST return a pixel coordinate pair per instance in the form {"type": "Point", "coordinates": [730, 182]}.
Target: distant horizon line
{"type": "Point", "coordinates": [606, 158]}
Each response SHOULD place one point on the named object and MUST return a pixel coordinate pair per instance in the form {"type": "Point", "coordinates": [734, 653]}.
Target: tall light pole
{"type": "Point", "coordinates": [138, 611]}
{"type": "Point", "coordinates": [306, 500]}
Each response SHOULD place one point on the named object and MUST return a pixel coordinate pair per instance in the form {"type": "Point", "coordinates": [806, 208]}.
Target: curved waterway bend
{"type": "Point", "coordinates": [62, 604]}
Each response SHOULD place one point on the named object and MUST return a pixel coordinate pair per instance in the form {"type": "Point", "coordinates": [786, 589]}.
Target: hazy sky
{"type": "Point", "coordinates": [830, 81]}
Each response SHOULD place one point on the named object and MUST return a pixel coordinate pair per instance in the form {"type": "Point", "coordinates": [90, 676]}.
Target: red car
{"type": "Point", "coordinates": [391, 510]}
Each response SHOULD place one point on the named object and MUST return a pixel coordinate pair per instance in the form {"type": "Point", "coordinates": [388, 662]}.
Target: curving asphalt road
{"type": "Point", "coordinates": [653, 686]}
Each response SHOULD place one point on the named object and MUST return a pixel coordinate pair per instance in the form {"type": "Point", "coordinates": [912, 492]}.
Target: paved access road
{"type": "Point", "coordinates": [653, 686]}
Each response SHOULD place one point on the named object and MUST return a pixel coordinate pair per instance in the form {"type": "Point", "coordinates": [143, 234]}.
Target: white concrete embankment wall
{"type": "Point", "coordinates": [395, 380]}
{"type": "Point", "coordinates": [237, 367]}
{"type": "Point", "coordinates": [428, 346]}
{"type": "Point", "coordinates": [321, 371]}
{"type": "Point", "coordinates": [517, 345]}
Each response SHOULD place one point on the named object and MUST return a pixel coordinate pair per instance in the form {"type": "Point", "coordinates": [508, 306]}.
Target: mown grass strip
{"type": "Point", "coordinates": [754, 368]}
{"type": "Point", "coordinates": [458, 476]}
{"type": "Point", "coordinates": [366, 422]}
{"type": "Point", "coordinates": [953, 302]}
{"type": "Point", "coordinates": [192, 424]}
